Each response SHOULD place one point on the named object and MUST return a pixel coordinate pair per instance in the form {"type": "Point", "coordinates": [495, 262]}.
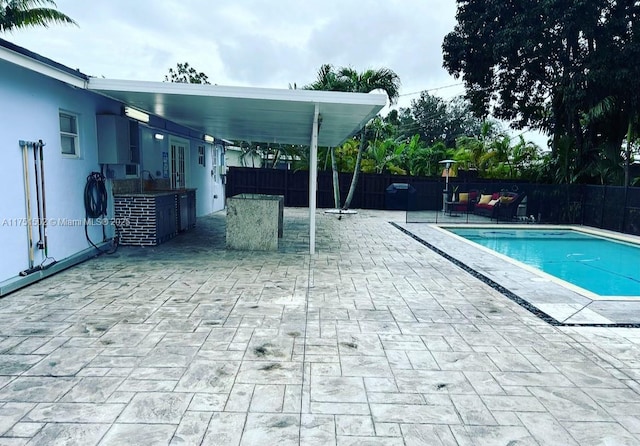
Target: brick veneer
{"type": "Point", "coordinates": [137, 219]}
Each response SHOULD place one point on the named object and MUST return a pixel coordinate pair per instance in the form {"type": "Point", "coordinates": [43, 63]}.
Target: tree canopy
{"type": "Point", "coordinates": [185, 74]}
{"type": "Point", "coordinates": [435, 119]}
{"type": "Point", "coordinates": [16, 14]}
{"type": "Point", "coordinates": [567, 68]}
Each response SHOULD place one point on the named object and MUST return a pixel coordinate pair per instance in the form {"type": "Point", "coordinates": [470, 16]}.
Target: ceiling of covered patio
{"type": "Point", "coordinates": [249, 114]}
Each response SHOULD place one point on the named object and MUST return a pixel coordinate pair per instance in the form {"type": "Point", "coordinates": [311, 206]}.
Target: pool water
{"type": "Point", "coordinates": [603, 266]}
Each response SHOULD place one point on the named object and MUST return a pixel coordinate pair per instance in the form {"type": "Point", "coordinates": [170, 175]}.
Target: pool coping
{"type": "Point", "coordinates": [578, 289]}
{"type": "Point", "coordinates": [550, 300]}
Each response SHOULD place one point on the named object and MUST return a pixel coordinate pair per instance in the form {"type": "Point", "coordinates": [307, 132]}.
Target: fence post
{"type": "Point", "coordinates": [624, 208]}
{"type": "Point", "coordinates": [361, 181]}
{"type": "Point", "coordinates": [604, 200]}
{"type": "Point", "coordinates": [582, 203]}
{"type": "Point", "coordinates": [286, 186]}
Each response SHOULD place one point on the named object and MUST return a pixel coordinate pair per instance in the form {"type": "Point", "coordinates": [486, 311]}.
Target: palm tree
{"type": "Point", "coordinates": [15, 14]}
{"type": "Point", "coordinates": [370, 80]}
{"type": "Point", "coordinates": [328, 80]}
{"type": "Point", "coordinates": [349, 80]}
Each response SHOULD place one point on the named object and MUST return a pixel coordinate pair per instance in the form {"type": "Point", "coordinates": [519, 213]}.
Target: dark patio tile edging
{"type": "Point", "coordinates": [504, 291]}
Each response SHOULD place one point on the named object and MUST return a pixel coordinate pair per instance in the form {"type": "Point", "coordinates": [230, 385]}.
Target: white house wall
{"type": "Point", "coordinates": [29, 110]}
{"type": "Point", "coordinates": [209, 188]}
{"type": "Point", "coordinates": [206, 179]}
{"type": "Point", "coordinates": [217, 163]}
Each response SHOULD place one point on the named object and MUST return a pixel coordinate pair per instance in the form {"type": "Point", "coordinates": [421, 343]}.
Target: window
{"type": "Point", "coordinates": [131, 170]}
{"type": "Point", "coordinates": [201, 155]}
{"type": "Point", "coordinates": [69, 134]}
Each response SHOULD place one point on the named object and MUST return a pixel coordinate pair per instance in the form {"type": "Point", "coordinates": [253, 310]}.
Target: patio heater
{"type": "Point", "coordinates": [445, 173]}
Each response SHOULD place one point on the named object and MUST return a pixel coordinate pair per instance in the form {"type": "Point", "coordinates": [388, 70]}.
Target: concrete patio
{"type": "Point", "coordinates": [375, 340]}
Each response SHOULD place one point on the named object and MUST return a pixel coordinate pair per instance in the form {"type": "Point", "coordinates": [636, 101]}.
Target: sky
{"type": "Point", "coordinates": [253, 43]}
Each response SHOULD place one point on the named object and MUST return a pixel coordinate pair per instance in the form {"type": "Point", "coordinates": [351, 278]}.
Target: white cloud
{"type": "Point", "coordinates": [252, 42]}
{"type": "Point", "coordinates": [249, 42]}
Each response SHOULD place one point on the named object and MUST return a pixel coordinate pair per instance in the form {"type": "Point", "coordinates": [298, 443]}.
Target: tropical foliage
{"type": "Point", "coordinates": [573, 74]}
{"type": "Point", "coordinates": [16, 14]}
{"type": "Point", "coordinates": [349, 80]}
{"type": "Point", "coordinates": [490, 155]}
{"type": "Point", "coordinates": [185, 74]}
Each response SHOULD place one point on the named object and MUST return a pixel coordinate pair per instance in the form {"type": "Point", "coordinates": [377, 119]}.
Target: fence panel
{"type": "Point", "coordinates": [632, 211]}
{"type": "Point", "coordinates": [613, 208]}
{"type": "Point", "coordinates": [607, 207]}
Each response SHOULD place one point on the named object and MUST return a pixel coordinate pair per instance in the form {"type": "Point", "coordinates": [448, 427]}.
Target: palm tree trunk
{"type": "Point", "coordinates": [336, 183]}
{"type": "Point", "coordinates": [356, 172]}
{"type": "Point", "coordinates": [276, 157]}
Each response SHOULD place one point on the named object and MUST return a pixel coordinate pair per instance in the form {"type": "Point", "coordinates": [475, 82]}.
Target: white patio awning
{"type": "Point", "coordinates": [253, 114]}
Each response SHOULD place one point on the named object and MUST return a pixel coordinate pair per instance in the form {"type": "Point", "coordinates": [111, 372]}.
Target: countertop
{"type": "Point", "coordinates": [154, 193]}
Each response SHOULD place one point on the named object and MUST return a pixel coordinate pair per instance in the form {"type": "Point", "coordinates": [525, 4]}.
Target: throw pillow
{"type": "Point", "coordinates": [463, 197]}
{"type": "Point", "coordinates": [492, 202]}
{"type": "Point", "coordinates": [506, 200]}
{"type": "Point", "coordinates": [484, 199]}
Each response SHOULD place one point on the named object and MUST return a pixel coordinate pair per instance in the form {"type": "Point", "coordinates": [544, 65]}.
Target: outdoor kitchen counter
{"type": "Point", "coordinates": [151, 193]}
{"type": "Point", "coordinates": [151, 217]}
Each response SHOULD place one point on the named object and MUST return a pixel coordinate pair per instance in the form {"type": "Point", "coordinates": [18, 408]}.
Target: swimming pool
{"type": "Point", "coordinates": [600, 265]}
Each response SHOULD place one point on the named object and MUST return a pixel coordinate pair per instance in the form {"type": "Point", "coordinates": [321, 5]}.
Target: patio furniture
{"type": "Point", "coordinates": [507, 207]}
{"type": "Point", "coordinates": [499, 205]}
{"type": "Point", "coordinates": [450, 208]}
{"type": "Point", "coordinates": [465, 203]}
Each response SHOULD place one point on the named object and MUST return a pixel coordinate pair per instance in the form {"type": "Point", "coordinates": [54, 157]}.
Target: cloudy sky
{"type": "Point", "coordinates": [251, 42]}
{"type": "Point", "coordinates": [256, 43]}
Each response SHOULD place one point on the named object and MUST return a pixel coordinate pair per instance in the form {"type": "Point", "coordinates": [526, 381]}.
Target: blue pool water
{"type": "Point", "coordinates": [603, 266]}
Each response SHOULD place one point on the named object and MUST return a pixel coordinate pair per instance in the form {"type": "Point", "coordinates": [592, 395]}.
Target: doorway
{"type": "Point", "coordinates": [178, 162]}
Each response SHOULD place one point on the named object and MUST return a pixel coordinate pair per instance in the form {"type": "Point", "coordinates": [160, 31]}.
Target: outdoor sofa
{"type": "Point", "coordinates": [499, 205]}
{"type": "Point", "coordinates": [465, 202]}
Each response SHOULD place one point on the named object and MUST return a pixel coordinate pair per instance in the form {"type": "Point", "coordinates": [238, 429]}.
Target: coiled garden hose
{"type": "Point", "coordinates": [95, 196]}
{"type": "Point", "coordinates": [95, 205]}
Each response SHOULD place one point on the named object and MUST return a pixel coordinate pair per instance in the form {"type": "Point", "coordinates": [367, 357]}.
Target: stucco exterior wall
{"type": "Point", "coordinates": [29, 110]}
{"type": "Point", "coordinates": [207, 181]}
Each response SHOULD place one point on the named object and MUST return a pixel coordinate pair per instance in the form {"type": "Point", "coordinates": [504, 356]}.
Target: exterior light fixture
{"type": "Point", "coordinates": [136, 114]}
{"type": "Point", "coordinates": [209, 139]}
{"type": "Point", "coordinates": [159, 136]}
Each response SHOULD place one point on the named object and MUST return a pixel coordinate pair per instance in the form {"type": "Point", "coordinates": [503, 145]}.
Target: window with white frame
{"type": "Point", "coordinates": [201, 159]}
{"type": "Point", "coordinates": [69, 140]}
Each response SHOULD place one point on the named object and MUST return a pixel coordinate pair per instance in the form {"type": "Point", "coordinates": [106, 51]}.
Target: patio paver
{"type": "Point", "coordinates": [374, 340]}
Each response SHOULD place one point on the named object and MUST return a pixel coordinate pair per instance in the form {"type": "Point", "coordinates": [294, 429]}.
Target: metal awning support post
{"type": "Point", "coordinates": [313, 181]}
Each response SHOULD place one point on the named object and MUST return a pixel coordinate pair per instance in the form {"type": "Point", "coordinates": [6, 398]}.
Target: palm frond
{"type": "Point", "coordinates": [16, 14]}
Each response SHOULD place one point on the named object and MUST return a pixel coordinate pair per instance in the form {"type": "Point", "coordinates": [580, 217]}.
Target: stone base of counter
{"type": "Point", "coordinates": [254, 222]}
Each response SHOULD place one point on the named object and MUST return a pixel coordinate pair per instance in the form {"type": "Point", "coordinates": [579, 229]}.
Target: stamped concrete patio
{"type": "Point", "coordinates": [375, 340]}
